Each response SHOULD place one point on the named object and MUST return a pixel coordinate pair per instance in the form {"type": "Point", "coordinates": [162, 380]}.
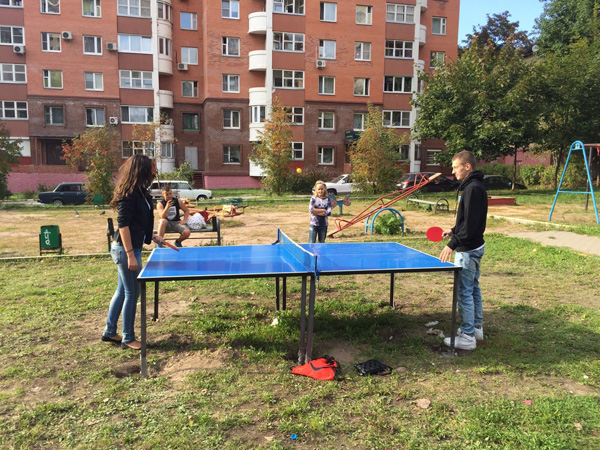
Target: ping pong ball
{"type": "Point", "coordinates": [299, 170]}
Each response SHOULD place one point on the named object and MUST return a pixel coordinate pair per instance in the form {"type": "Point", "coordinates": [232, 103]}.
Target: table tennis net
{"type": "Point", "coordinates": [304, 257]}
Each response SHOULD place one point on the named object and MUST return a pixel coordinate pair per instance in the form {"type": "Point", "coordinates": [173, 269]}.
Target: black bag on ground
{"type": "Point", "coordinates": [373, 367]}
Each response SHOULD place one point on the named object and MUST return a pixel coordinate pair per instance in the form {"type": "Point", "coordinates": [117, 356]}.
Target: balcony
{"type": "Point", "coordinates": [165, 99]}
{"type": "Point", "coordinates": [257, 23]}
{"type": "Point", "coordinates": [257, 96]}
{"type": "Point", "coordinates": [257, 60]}
{"type": "Point", "coordinates": [167, 133]}
{"type": "Point", "coordinates": [423, 4]}
{"type": "Point", "coordinates": [422, 35]}
{"type": "Point", "coordinates": [256, 130]}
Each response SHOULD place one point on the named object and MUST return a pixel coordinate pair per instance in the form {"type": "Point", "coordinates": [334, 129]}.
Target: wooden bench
{"type": "Point", "coordinates": [441, 204]}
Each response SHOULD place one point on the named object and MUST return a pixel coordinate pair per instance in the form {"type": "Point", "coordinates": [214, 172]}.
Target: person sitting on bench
{"type": "Point", "coordinates": [169, 211]}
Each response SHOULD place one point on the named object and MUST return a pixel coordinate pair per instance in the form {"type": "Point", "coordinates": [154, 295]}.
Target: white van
{"type": "Point", "coordinates": [181, 189]}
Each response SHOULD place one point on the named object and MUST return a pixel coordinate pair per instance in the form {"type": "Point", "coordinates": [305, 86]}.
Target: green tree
{"type": "Point", "coordinates": [498, 32]}
{"type": "Point", "coordinates": [9, 154]}
{"type": "Point", "coordinates": [97, 150]}
{"type": "Point", "coordinates": [374, 156]}
{"type": "Point", "coordinates": [273, 153]}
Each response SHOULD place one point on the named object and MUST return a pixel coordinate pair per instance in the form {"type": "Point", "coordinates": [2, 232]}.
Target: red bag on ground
{"type": "Point", "coordinates": [325, 368]}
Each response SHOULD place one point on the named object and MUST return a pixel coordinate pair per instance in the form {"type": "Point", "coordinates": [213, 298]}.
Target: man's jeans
{"type": "Point", "coordinates": [469, 295]}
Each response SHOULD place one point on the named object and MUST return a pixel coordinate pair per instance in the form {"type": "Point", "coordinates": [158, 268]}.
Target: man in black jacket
{"type": "Point", "coordinates": [466, 238]}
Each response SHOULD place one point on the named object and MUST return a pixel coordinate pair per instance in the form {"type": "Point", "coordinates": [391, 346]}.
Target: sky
{"type": "Point", "coordinates": [473, 13]}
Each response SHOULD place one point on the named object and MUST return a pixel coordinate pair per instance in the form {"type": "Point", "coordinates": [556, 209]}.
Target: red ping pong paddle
{"type": "Point", "coordinates": [173, 247]}
{"type": "Point", "coordinates": [435, 234]}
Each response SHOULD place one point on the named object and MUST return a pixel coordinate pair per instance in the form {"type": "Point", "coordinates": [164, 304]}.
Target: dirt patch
{"type": "Point", "coordinates": [180, 366]}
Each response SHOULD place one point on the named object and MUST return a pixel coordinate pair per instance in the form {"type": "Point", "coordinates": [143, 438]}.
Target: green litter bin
{"type": "Point", "coordinates": [50, 239]}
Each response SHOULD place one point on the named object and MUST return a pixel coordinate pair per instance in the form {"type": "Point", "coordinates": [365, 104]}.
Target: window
{"type": "Point", "coordinates": [438, 25]}
{"type": "Point", "coordinates": [11, 110]}
{"type": "Point", "coordinates": [364, 15]}
{"type": "Point", "coordinates": [54, 115]}
{"type": "Point", "coordinates": [92, 45]}
{"type": "Point", "coordinates": [94, 117]}
{"type": "Point", "coordinates": [288, 42]}
{"type": "Point", "coordinates": [297, 151]}
{"type": "Point", "coordinates": [189, 55]}
{"type": "Point", "coordinates": [135, 79]}
{"type": "Point", "coordinates": [326, 49]}
{"type": "Point", "coordinates": [326, 85]}
{"type": "Point", "coordinates": [231, 83]}
{"type": "Point", "coordinates": [189, 21]}
{"type": "Point", "coordinates": [295, 115]}
{"type": "Point", "coordinates": [164, 11]}
{"type": "Point", "coordinates": [11, 35]}
{"type": "Point", "coordinates": [164, 46]}
{"type": "Point", "coordinates": [328, 12]}
{"type": "Point", "coordinates": [431, 157]}
{"type": "Point", "coordinates": [230, 9]}
{"type": "Point", "coordinates": [231, 154]}
{"type": "Point", "coordinates": [403, 151]}
{"type": "Point", "coordinates": [189, 89]}
{"type": "Point", "coordinates": [360, 120]}
{"type": "Point", "coordinates": [52, 79]}
{"type": "Point", "coordinates": [130, 148]}
{"type": "Point", "coordinates": [288, 6]}
{"type": "Point", "coordinates": [437, 59]}
{"type": "Point", "coordinates": [12, 73]}
{"type": "Point", "coordinates": [91, 8]}
{"type": "Point", "coordinates": [326, 120]}
{"type": "Point", "coordinates": [399, 13]}
{"type": "Point", "coordinates": [362, 51]}
{"type": "Point", "coordinates": [398, 49]}
{"type": "Point", "coordinates": [396, 84]}
{"type": "Point", "coordinates": [325, 156]}
{"type": "Point", "coordinates": [50, 6]}
{"type": "Point", "coordinates": [133, 8]}
{"type": "Point", "coordinates": [133, 43]}
{"type": "Point", "coordinates": [14, 3]}
{"type": "Point", "coordinates": [137, 114]}
{"type": "Point", "coordinates": [190, 121]}
{"type": "Point", "coordinates": [167, 150]}
{"type": "Point", "coordinates": [231, 119]}
{"type": "Point", "coordinates": [289, 79]}
{"type": "Point", "coordinates": [396, 119]}
{"type": "Point", "coordinates": [94, 81]}
{"type": "Point", "coordinates": [361, 86]}
{"type": "Point", "coordinates": [230, 46]}
{"type": "Point", "coordinates": [50, 42]}
{"type": "Point", "coordinates": [258, 113]}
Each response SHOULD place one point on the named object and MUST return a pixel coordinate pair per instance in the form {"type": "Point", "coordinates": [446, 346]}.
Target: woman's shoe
{"type": "Point", "coordinates": [133, 345]}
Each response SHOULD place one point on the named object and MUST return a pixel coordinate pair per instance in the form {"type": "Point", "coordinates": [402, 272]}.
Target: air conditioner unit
{"type": "Point", "coordinates": [321, 63]}
{"type": "Point", "coordinates": [66, 34]}
{"type": "Point", "coordinates": [111, 46]}
{"type": "Point", "coordinates": [113, 120]}
{"type": "Point", "coordinates": [19, 49]}
{"type": "Point", "coordinates": [182, 66]}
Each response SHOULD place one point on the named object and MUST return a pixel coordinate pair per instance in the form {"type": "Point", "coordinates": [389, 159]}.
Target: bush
{"type": "Point", "coordinates": [388, 224]}
{"type": "Point", "coordinates": [183, 172]}
{"type": "Point", "coordinates": [302, 183]}
{"type": "Point", "coordinates": [45, 188]}
{"type": "Point", "coordinates": [532, 175]}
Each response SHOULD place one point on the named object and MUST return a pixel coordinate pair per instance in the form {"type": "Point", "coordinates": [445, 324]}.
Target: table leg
{"type": "Point", "coordinates": [155, 317]}
{"type": "Point", "coordinates": [284, 296]}
{"type": "Point", "coordinates": [302, 351]}
{"type": "Point", "coordinates": [454, 307]}
{"type": "Point", "coordinates": [143, 361]}
{"type": "Point", "coordinates": [311, 318]}
{"type": "Point", "coordinates": [277, 293]}
{"type": "Point", "coordinates": [392, 290]}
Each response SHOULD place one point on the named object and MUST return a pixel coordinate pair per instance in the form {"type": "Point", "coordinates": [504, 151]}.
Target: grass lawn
{"type": "Point", "coordinates": [220, 370]}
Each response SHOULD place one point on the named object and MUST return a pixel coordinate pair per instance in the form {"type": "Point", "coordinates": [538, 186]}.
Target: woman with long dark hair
{"type": "Point", "coordinates": [135, 219]}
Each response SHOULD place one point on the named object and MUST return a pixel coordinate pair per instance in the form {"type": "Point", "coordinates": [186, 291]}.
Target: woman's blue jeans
{"type": "Point", "coordinates": [470, 302]}
{"type": "Point", "coordinates": [125, 297]}
{"type": "Point", "coordinates": [317, 232]}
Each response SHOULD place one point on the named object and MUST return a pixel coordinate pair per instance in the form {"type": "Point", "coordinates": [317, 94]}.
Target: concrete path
{"type": "Point", "coordinates": [578, 242]}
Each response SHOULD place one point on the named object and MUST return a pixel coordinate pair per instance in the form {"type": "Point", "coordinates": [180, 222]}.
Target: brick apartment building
{"type": "Point", "coordinates": [210, 70]}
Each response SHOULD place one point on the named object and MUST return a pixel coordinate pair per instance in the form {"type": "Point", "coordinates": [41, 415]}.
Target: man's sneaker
{"type": "Point", "coordinates": [479, 334]}
{"type": "Point", "coordinates": [178, 244]}
{"type": "Point", "coordinates": [462, 341]}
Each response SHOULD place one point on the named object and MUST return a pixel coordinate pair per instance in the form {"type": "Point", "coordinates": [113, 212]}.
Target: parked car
{"type": "Point", "coordinates": [498, 182]}
{"type": "Point", "coordinates": [181, 189]}
{"type": "Point", "coordinates": [64, 194]}
{"type": "Point", "coordinates": [439, 184]}
{"type": "Point", "coordinates": [340, 185]}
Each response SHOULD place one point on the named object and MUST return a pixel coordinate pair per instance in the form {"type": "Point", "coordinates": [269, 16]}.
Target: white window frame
{"type": "Point", "coordinates": [232, 119]}
{"type": "Point", "coordinates": [193, 85]}
{"type": "Point", "coordinates": [191, 115]}
{"type": "Point", "coordinates": [327, 49]}
{"type": "Point", "coordinates": [126, 111]}
{"type": "Point", "coordinates": [14, 4]}
{"type": "Point", "coordinates": [49, 113]}
{"type": "Point", "coordinates": [400, 84]}
{"type": "Point", "coordinates": [167, 150]}
{"type": "Point", "coordinates": [50, 6]}
{"type": "Point", "coordinates": [321, 155]}
{"type": "Point", "coordinates": [363, 85]}
{"type": "Point", "coordinates": [288, 7]}
{"type": "Point", "coordinates": [96, 10]}
{"type": "Point", "coordinates": [258, 113]}
{"type": "Point", "coordinates": [189, 55]}
{"type": "Point", "coordinates": [436, 59]}
{"type": "Point", "coordinates": [50, 39]}
{"type": "Point", "coordinates": [135, 79]}
{"type": "Point", "coordinates": [226, 41]}
{"type": "Point", "coordinates": [228, 80]}
{"type": "Point", "coordinates": [441, 25]}
{"type": "Point", "coordinates": [365, 10]}
{"type": "Point", "coordinates": [165, 11]}
{"type": "Point", "coordinates": [129, 43]}
{"type": "Point", "coordinates": [96, 121]}
{"type": "Point", "coordinates": [328, 12]}
{"type": "Point", "coordinates": [137, 148]}
{"type": "Point", "coordinates": [97, 81]}
{"type": "Point", "coordinates": [8, 70]}
{"type": "Point", "coordinates": [397, 13]}
{"type": "Point", "coordinates": [134, 8]}
{"type": "Point", "coordinates": [232, 11]}
{"type": "Point", "coordinates": [227, 150]}
{"type": "Point", "coordinates": [48, 76]}
{"type": "Point", "coordinates": [297, 149]}
{"type": "Point", "coordinates": [363, 121]}
{"type": "Point", "coordinates": [288, 42]}
{"type": "Point", "coordinates": [323, 85]}
{"type": "Point", "coordinates": [431, 152]}
{"type": "Point", "coordinates": [324, 117]}
{"type": "Point", "coordinates": [396, 118]}
{"type": "Point", "coordinates": [97, 44]}
{"type": "Point", "coordinates": [164, 46]}
{"type": "Point", "coordinates": [290, 79]}
{"type": "Point", "coordinates": [404, 152]}
{"type": "Point", "coordinates": [17, 107]}
{"type": "Point", "coordinates": [193, 20]}
{"type": "Point", "coordinates": [399, 47]}
{"type": "Point", "coordinates": [362, 51]}
{"type": "Point", "coordinates": [295, 115]}
{"type": "Point", "coordinates": [15, 38]}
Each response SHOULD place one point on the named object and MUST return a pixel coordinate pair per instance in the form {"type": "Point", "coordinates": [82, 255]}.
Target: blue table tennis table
{"type": "Point", "coordinates": [285, 258]}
